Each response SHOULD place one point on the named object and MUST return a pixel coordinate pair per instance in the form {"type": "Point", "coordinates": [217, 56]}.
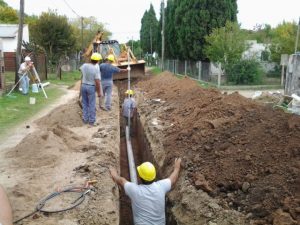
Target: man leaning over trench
{"type": "Point", "coordinates": [148, 198]}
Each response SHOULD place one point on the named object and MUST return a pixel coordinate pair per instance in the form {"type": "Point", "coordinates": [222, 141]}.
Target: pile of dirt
{"type": "Point", "coordinates": [66, 115]}
{"type": "Point", "coordinates": [243, 153]}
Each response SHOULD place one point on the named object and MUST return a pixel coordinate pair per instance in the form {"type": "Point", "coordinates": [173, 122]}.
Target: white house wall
{"type": "Point", "coordinates": [10, 44]}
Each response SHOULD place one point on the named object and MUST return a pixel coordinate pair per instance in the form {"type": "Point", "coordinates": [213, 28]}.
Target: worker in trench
{"type": "Point", "coordinates": [5, 209]}
{"type": "Point", "coordinates": [90, 84]}
{"type": "Point", "coordinates": [148, 198]}
{"type": "Point", "coordinates": [129, 110]}
{"type": "Point", "coordinates": [107, 71]}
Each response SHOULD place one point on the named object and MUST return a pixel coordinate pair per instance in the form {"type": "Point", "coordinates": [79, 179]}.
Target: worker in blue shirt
{"type": "Point", "coordinates": [107, 71]}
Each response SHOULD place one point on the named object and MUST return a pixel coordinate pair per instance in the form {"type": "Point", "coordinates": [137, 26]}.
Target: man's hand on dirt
{"type": "Point", "coordinates": [177, 163]}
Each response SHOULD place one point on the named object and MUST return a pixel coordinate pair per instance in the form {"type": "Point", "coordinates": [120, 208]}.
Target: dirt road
{"type": "Point", "coordinates": [60, 151]}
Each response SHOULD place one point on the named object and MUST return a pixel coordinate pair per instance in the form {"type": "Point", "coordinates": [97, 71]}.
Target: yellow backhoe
{"type": "Point", "coordinates": [120, 52]}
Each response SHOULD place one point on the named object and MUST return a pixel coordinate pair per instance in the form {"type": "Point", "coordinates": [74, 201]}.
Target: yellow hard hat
{"type": "Point", "coordinates": [111, 58]}
{"type": "Point", "coordinates": [96, 56]}
{"type": "Point", "coordinates": [147, 171]}
{"type": "Point", "coordinates": [129, 92]}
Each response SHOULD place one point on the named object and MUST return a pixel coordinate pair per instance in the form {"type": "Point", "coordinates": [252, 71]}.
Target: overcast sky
{"type": "Point", "coordinates": [123, 18]}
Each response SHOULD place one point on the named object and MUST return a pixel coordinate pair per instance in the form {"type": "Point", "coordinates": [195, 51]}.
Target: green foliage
{"type": "Point", "coordinates": [135, 48]}
{"type": "Point", "coordinates": [262, 33]}
{"type": "Point", "coordinates": [8, 15]}
{"type": "Point", "coordinates": [148, 32]}
{"type": "Point", "coordinates": [90, 28]}
{"type": "Point", "coordinates": [244, 72]}
{"type": "Point", "coordinates": [54, 34]}
{"type": "Point", "coordinates": [195, 19]}
{"type": "Point", "coordinates": [283, 41]}
{"type": "Point", "coordinates": [3, 3]}
{"type": "Point", "coordinates": [226, 44]}
{"type": "Point", "coordinates": [171, 47]}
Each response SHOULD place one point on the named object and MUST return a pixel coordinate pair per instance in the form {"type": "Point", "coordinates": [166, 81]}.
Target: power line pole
{"type": "Point", "coordinates": [20, 38]}
{"type": "Point", "coordinates": [81, 33]}
{"type": "Point", "coordinates": [297, 37]}
{"type": "Point", "coordinates": [151, 39]}
{"type": "Point", "coordinates": [163, 35]}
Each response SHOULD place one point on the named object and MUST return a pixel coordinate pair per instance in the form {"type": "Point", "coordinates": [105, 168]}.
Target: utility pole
{"type": "Point", "coordinates": [81, 33]}
{"type": "Point", "coordinates": [20, 38]}
{"type": "Point", "coordinates": [163, 35]}
{"type": "Point", "coordinates": [297, 37]}
{"type": "Point", "coordinates": [151, 39]}
{"type": "Point", "coordinates": [132, 44]}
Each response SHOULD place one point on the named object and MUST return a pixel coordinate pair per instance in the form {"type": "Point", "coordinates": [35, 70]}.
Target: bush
{"type": "Point", "coordinates": [276, 72]}
{"type": "Point", "coordinates": [244, 72]}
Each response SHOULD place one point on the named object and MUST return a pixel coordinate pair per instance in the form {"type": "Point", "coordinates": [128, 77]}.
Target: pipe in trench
{"type": "Point", "coordinates": [131, 163]}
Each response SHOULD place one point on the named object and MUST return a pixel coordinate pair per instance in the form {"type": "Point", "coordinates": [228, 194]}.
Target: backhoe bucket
{"type": "Point", "coordinates": [136, 70]}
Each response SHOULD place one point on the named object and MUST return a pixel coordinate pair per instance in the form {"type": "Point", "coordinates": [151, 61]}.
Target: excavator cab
{"type": "Point", "coordinates": [124, 57]}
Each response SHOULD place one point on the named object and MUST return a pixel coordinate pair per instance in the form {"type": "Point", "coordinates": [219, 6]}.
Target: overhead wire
{"type": "Point", "coordinates": [71, 8]}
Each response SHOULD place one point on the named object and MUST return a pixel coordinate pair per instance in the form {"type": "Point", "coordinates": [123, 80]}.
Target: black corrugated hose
{"type": "Point", "coordinates": [39, 208]}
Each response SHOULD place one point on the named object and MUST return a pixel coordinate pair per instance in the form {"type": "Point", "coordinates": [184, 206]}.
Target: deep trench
{"type": "Point", "coordinates": [142, 152]}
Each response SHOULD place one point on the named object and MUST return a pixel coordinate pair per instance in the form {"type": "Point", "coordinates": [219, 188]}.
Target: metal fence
{"type": "Point", "coordinates": [198, 70]}
{"type": "Point", "coordinates": [209, 72]}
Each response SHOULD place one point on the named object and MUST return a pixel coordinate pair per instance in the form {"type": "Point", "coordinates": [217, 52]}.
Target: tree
{"type": "Point", "coordinates": [226, 44]}
{"type": "Point", "coordinates": [148, 32]}
{"type": "Point", "coordinates": [135, 48]}
{"type": "Point", "coordinates": [195, 19]}
{"type": "Point", "coordinates": [170, 31]}
{"type": "Point", "coordinates": [3, 3]}
{"type": "Point", "coordinates": [90, 28]}
{"type": "Point", "coordinates": [262, 33]}
{"type": "Point", "coordinates": [283, 41]}
{"type": "Point", "coordinates": [8, 15]}
{"type": "Point", "coordinates": [55, 35]}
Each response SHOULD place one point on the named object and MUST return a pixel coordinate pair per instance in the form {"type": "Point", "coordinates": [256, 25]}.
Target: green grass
{"type": "Point", "coordinates": [155, 70]}
{"type": "Point", "coordinates": [68, 78]}
{"type": "Point", "coordinates": [10, 77]}
{"type": "Point", "coordinates": [16, 108]}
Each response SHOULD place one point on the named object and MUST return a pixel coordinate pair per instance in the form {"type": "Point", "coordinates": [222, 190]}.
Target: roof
{"type": "Point", "coordinates": [9, 30]}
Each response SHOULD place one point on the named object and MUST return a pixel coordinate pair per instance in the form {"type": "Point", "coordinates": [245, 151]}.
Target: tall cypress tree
{"type": "Point", "coordinates": [148, 32]}
{"type": "Point", "coordinates": [194, 19]}
{"type": "Point", "coordinates": [170, 31]}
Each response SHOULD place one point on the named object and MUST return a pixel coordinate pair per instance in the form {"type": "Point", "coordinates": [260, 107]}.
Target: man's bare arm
{"type": "Point", "coordinates": [175, 174]}
{"type": "Point", "coordinates": [5, 209]}
{"type": "Point", "coordinates": [118, 179]}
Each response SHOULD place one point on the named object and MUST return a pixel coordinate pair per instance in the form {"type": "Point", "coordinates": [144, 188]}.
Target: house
{"type": "Point", "coordinates": [260, 52]}
{"type": "Point", "coordinates": [2, 83]}
{"type": "Point", "coordinates": [9, 36]}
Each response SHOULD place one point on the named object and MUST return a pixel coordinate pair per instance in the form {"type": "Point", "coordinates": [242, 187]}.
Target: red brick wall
{"type": "Point", "coordinates": [10, 61]}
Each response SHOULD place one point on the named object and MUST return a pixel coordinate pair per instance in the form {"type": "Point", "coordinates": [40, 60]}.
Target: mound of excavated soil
{"type": "Point", "coordinates": [239, 151]}
{"type": "Point", "coordinates": [66, 115]}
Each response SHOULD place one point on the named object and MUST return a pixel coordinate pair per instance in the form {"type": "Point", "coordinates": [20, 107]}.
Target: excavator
{"type": "Point", "coordinates": [122, 53]}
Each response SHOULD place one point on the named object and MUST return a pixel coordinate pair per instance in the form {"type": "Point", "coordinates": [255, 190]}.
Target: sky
{"type": "Point", "coordinates": [123, 18]}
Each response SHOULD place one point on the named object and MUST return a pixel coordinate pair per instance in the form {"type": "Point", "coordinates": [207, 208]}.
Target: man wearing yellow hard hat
{"type": "Point", "coordinates": [107, 72]}
{"type": "Point", "coordinates": [128, 110]}
{"type": "Point", "coordinates": [90, 84]}
{"type": "Point", "coordinates": [148, 198]}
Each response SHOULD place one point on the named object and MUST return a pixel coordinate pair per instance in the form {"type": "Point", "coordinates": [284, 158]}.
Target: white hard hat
{"type": "Point", "coordinates": [27, 58]}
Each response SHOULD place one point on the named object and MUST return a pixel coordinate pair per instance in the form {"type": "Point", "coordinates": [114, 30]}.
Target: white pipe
{"type": "Point", "coordinates": [131, 163]}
